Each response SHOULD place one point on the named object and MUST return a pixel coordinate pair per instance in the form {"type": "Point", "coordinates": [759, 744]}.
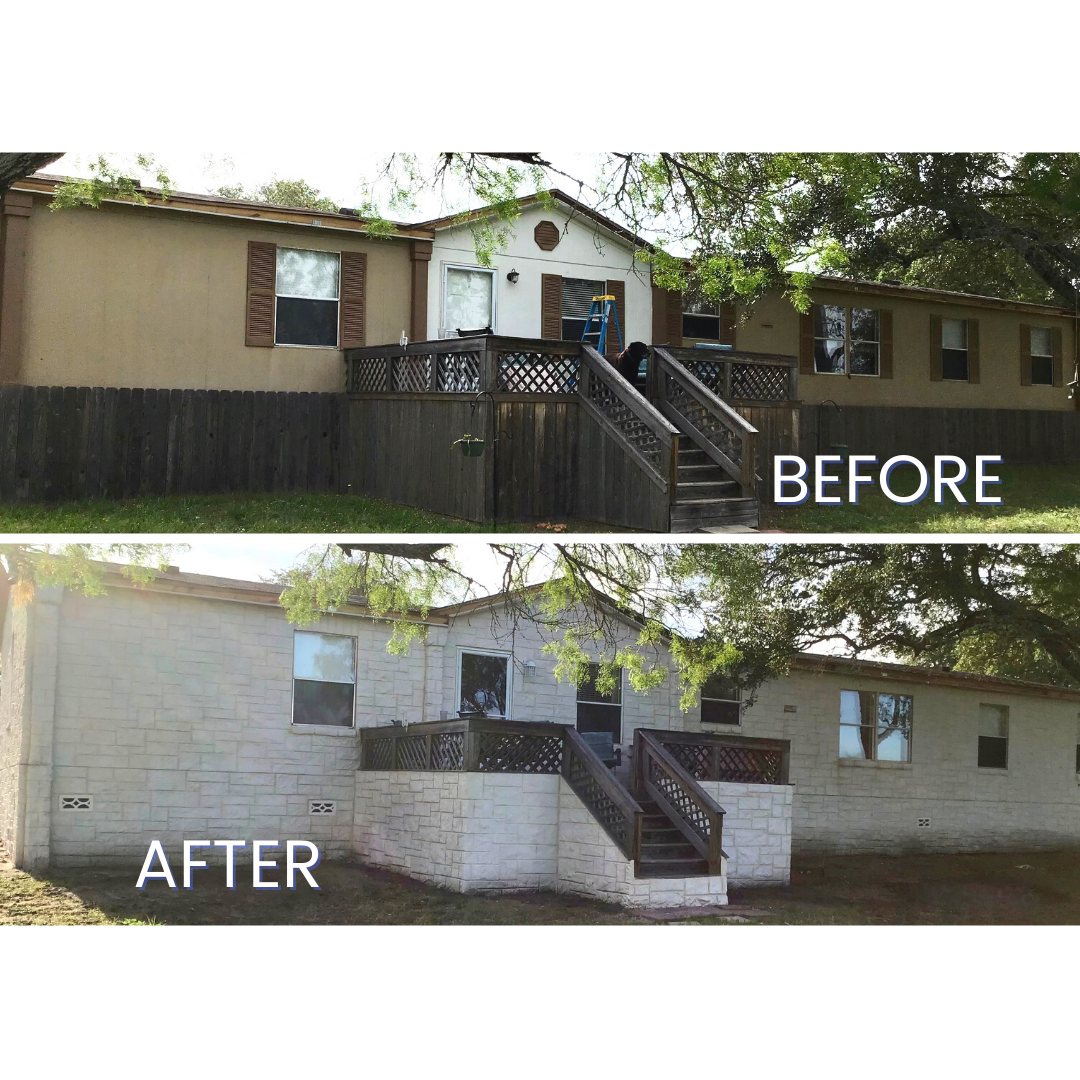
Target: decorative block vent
{"type": "Point", "coordinates": [78, 803]}
{"type": "Point", "coordinates": [321, 806]}
{"type": "Point", "coordinates": [925, 822]}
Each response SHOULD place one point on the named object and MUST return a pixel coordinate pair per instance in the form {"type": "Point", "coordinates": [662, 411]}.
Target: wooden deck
{"type": "Point", "coordinates": [665, 822]}
{"type": "Point", "coordinates": [565, 435]}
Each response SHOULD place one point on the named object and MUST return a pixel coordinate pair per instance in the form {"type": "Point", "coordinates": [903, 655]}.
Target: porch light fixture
{"type": "Point", "coordinates": [512, 277]}
{"type": "Point", "coordinates": [530, 669]}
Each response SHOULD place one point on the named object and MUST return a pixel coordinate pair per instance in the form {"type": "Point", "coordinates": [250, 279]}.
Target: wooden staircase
{"type": "Point", "coordinates": [665, 852]}
{"type": "Point", "coordinates": [706, 496]}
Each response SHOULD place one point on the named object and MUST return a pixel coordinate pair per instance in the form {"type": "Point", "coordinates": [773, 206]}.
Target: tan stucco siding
{"type": "Point", "coordinates": [141, 296]}
{"type": "Point", "coordinates": [773, 326]}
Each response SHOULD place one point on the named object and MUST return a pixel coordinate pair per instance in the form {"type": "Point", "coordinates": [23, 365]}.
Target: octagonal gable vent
{"type": "Point", "coordinates": [547, 235]}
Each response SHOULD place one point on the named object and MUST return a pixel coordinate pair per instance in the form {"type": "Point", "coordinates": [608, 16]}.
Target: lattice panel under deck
{"type": "Point", "coordinates": [537, 373]}
{"type": "Point", "coordinates": [686, 806]}
{"type": "Point", "coordinates": [448, 752]}
{"type": "Point", "coordinates": [367, 375]}
{"type": "Point", "coordinates": [520, 753]}
{"type": "Point", "coordinates": [606, 811]}
{"type": "Point", "coordinates": [412, 374]}
{"type": "Point", "coordinates": [635, 431]}
{"type": "Point", "coordinates": [458, 373]}
{"type": "Point", "coordinates": [379, 754]}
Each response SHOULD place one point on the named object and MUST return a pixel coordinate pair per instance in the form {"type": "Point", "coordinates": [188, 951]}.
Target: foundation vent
{"type": "Point", "coordinates": [925, 822]}
{"type": "Point", "coordinates": [79, 803]}
{"type": "Point", "coordinates": [321, 807]}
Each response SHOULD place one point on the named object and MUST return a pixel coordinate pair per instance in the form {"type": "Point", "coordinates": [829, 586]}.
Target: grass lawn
{"type": "Point", "coordinates": [1019, 888]}
{"type": "Point", "coordinates": [1038, 498]}
{"type": "Point", "coordinates": [272, 513]}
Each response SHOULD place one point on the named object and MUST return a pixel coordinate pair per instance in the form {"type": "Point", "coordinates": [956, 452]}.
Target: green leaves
{"type": "Point", "coordinates": [112, 177]}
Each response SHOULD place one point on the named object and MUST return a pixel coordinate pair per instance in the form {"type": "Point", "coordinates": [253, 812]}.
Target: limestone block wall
{"type": "Point", "coordinates": [757, 831]}
{"type": "Point", "coordinates": [14, 663]}
{"type": "Point", "coordinates": [470, 832]}
{"type": "Point", "coordinates": [844, 806]}
{"type": "Point", "coordinates": [174, 715]}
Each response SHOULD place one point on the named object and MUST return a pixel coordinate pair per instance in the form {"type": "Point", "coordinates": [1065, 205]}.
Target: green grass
{"type": "Point", "coordinates": [311, 513]}
{"type": "Point", "coordinates": [1037, 498]}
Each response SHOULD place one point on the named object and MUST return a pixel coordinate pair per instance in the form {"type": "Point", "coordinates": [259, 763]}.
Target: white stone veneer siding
{"type": "Point", "coordinates": [757, 831]}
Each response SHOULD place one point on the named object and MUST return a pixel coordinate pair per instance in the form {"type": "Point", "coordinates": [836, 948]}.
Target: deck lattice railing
{"type": "Point", "coordinates": [729, 758]}
{"type": "Point", "coordinates": [742, 376]}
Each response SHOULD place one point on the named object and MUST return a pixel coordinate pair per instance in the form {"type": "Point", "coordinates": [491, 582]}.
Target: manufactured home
{"type": "Point", "coordinates": [191, 709]}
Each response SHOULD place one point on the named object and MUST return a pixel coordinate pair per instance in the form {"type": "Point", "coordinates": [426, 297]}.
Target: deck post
{"type": "Point", "coordinates": [726, 395]}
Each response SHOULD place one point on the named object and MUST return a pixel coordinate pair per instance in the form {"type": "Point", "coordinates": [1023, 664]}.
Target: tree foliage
{"type": "Point", "coordinates": [81, 566]}
{"type": "Point", "coordinates": [294, 193]}
{"type": "Point", "coordinates": [113, 176]}
{"type": "Point", "coordinates": [1000, 224]}
{"type": "Point", "coordinates": [743, 610]}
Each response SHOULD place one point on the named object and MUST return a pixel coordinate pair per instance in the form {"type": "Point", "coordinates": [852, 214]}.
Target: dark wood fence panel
{"type": "Point", "coordinates": [778, 433]}
{"type": "Point", "coordinates": [536, 464]}
{"type": "Point", "coordinates": [59, 443]}
{"type": "Point", "coordinates": [403, 449]}
{"type": "Point", "coordinates": [1019, 435]}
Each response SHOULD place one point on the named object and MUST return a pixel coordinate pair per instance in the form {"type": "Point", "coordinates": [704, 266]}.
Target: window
{"type": "Point", "coordinates": [307, 297]}
{"type": "Point", "coordinates": [720, 701]}
{"type": "Point", "coordinates": [468, 299]}
{"type": "Point", "coordinates": [483, 684]}
{"type": "Point", "coordinates": [577, 294]}
{"type": "Point", "coordinates": [324, 678]}
{"type": "Point", "coordinates": [847, 341]}
{"type": "Point", "coordinates": [993, 736]}
{"type": "Point", "coordinates": [701, 320]}
{"type": "Point", "coordinates": [600, 712]}
{"type": "Point", "coordinates": [954, 349]}
{"type": "Point", "coordinates": [1042, 356]}
{"type": "Point", "coordinates": [875, 727]}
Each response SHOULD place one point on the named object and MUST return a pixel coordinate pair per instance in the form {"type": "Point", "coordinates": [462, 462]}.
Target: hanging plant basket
{"type": "Point", "coordinates": [470, 445]}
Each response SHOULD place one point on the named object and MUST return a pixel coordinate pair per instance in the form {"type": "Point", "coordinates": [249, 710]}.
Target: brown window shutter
{"type": "Point", "coordinates": [727, 324]}
{"type": "Point", "coordinates": [806, 342]}
{"type": "Point", "coordinates": [261, 284]}
{"type": "Point", "coordinates": [935, 348]}
{"type": "Point", "coordinates": [618, 290]}
{"type": "Point", "coordinates": [973, 350]}
{"type": "Point", "coordinates": [674, 318]}
{"type": "Point", "coordinates": [551, 306]}
{"type": "Point", "coordinates": [659, 315]}
{"type": "Point", "coordinates": [885, 327]}
{"type": "Point", "coordinates": [1055, 343]}
{"type": "Point", "coordinates": [353, 299]}
{"type": "Point", "coordinates": [1025, 355]}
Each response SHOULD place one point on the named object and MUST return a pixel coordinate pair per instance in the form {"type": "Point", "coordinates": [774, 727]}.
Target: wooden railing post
{"type": "Point", "coordinates": [727, 381]}
{"type": "Point", "coordinates": [793, 382]}
{"type": "Point", "coordinates": [393, 750]}
{"type": "Point", "coordinates": [748, 479]}
{"type": "Point", "coordinates": [470, 748]}
{"type": "Point", "coordinates": [389, 388]}
{"type": "Point", "coordinates": [489, 359]}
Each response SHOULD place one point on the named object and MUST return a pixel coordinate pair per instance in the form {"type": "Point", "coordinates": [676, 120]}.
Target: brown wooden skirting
{"type": "Point", "coordinates": [68, 442]}
{"type": "Point", "coordinates": [1019, 435]}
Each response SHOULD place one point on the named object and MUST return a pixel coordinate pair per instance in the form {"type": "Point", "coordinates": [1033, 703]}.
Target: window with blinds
{"type": "Point", "coordinates": [577, 294]}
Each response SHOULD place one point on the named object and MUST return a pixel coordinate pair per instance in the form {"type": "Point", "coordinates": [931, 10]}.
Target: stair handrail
{"type": "Point", "coordinates": [665, 468]}
{"type": "Point", "coordinates": [693, 811]}
{"type": "Point", "coordinates": [743, 465]}
{"type": "Point", "coordinates": [578, 758]}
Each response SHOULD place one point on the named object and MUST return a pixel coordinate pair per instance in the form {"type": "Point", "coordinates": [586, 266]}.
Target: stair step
{"type": "Point", "coordinates": [700, 513]}
{"type": "Point", "coordinates": [673, 868]}
{"type": "Point", "coordinates": [706, 489]}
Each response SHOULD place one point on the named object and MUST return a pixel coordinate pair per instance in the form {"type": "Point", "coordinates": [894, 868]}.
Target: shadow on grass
{"type": "Point", "coordinates": [349, 894]}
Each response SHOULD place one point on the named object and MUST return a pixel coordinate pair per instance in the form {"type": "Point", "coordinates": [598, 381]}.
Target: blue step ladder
{"type": "Point", "coordinates": [601, 310]}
